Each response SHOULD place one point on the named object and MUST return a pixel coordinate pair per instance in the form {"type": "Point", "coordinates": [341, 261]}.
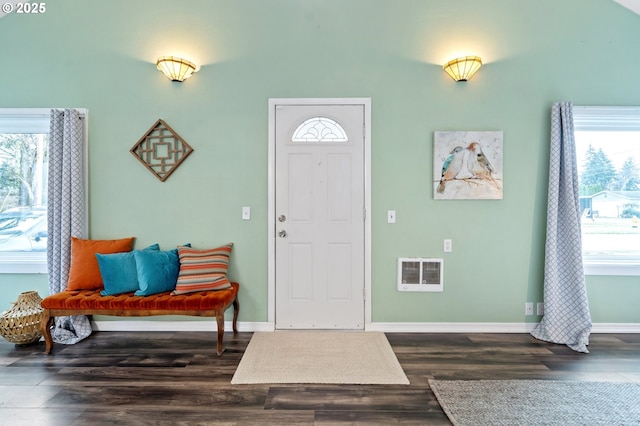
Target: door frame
{"type": "Point", "coordinates": [271, 216]}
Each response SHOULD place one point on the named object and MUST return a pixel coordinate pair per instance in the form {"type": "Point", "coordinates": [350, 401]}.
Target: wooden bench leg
{"type": "Point", "coordinates": [220, 321]}
{"type": "Point", "coordinates": [236, 309]}
{"type": "Point", "coordinates": [45, 325]}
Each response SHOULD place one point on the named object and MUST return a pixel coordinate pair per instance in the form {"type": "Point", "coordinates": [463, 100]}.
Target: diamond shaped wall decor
{"type": "Point", "coordinates": [161, 150]}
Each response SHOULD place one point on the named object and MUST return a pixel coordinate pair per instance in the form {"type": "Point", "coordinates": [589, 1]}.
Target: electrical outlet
{"type": "Point", "coordinates": [447, 247]}
{"type": "Point", "coordinates": [528, 308]}
{"type": "Point", "coordinates": [540, 308]}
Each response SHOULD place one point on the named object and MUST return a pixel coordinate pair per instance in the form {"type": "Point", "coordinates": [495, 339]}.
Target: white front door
{"type": "Point", "coordinates": [319, 217]}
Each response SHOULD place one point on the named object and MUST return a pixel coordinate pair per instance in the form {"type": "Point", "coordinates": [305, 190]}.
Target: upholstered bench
{"type": "Point", "coordinates": [91, 302]}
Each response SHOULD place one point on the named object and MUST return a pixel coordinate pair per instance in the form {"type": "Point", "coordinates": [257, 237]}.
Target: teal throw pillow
{"type": "Point", "coordinates": [157, 271]}
{"type": "Point", "coordinates": [119, 272]}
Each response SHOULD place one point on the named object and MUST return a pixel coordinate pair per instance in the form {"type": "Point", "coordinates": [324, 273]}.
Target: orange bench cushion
{"type": "Point", "coordinates": [92, 300]}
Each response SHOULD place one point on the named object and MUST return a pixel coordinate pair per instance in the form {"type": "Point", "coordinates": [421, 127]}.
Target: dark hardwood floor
{"type": "Point", "coordinates": [175, 378]}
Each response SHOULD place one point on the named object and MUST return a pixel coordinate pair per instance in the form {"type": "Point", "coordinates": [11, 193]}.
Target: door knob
{"type": "Point", "coordinates": [282, 234]}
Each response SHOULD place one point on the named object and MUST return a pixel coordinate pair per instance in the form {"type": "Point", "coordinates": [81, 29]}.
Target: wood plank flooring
{"type": "Point", "coordinates": [175, 378]}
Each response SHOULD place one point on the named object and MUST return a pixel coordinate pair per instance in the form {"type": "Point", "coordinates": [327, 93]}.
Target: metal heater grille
{"type": "Point", "coordinates": [420, 274]}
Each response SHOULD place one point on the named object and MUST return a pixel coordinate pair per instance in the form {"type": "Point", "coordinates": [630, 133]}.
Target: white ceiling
{"type": "Point", "coordinates": [630, 4]}
{"type": "Point", "coordinates": [9, 5]}
{"type": "Point", "coordinates": [633, 5]}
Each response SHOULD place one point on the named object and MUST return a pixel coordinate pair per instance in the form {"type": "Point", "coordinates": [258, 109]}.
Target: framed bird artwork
{"type": "Point", "coordinates": [468, 165]}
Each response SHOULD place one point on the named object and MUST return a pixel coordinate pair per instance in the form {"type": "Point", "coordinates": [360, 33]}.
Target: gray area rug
{"type": "Point", "coordinates": [538, 402]}
{"type": "Point", "coordinates": [319, 357]}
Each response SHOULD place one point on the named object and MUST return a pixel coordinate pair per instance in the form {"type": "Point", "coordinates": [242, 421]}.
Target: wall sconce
{"type": "Point", "coordinates": [176, 69]}
{"type": "Point", "coordinates": [461, 69]}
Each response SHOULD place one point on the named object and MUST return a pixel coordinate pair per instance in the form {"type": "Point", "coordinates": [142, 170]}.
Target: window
{"type": "Point", "coordinates": [320, 129]}
{"type": "Point", "coordinates": [24, 138]}
{"type": "Point", "coordinates": [24, 141]}
{"type": "Point", "coordinates": [608, 157]}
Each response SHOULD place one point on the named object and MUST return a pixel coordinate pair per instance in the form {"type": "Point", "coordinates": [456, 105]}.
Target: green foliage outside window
{"type": "Point", "coordinates": [23, 162]}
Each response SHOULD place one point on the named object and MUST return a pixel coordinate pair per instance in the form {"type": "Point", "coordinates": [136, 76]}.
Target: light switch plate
{"type": "Point", "coordinates": [246, 213]}
{"type": "Point", "coordinates": [391, 216]}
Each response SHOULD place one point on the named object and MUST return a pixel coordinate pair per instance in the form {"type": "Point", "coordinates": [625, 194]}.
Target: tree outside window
{"type": "Point", "coordinates": [23, 209]}
{"type": "Point", "coordinates": [609, 186]}
{"type": "Point", "coordinates": [23, 160]}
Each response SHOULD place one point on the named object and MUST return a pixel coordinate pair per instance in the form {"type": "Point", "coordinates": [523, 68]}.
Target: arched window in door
{"type": "Point", "coordinates": [319, 129]}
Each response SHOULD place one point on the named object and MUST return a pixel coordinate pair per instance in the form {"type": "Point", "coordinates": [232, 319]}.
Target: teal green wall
{"type": "Point", "coordinates": [100, 55]}
{"type": "Point", "coordinates": [11, 285]}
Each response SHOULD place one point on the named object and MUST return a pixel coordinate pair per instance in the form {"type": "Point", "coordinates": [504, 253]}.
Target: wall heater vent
{"type": "Point", "coordinates": [420, 274]}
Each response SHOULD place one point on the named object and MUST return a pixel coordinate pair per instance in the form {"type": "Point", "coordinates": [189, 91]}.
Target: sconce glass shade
{"type": "Point", "coordinates": [461, 69]}
{"type": "Point", "coordinates": [176, 69]}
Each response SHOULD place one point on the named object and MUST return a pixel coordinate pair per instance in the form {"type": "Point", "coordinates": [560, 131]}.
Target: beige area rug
{"type": "Point", "coordinates": [538, 402]}
{"type": "Point", "coordinates": [319, 357]}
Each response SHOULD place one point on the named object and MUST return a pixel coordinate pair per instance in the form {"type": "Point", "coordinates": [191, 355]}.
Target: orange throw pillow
{"type": "Point", "coordinates": [84, 272]}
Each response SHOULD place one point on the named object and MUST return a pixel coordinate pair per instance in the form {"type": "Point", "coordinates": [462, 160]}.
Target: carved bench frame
{"type": "Point", "coordinates": [49, 315]}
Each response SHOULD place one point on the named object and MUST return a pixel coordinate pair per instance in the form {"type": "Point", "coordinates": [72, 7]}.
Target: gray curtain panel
{"type": "Point", "coordinates": [65, 212]}
{"type": "Point", "coordinates": [566, 317]}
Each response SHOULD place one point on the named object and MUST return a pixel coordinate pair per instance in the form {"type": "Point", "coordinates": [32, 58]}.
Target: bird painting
{"type": "Point", "coordinates": [477, 163]}
{"type": "Point", "coordinates": [467, 165]}
{"type": "Point", "coordinates": [451, 167]}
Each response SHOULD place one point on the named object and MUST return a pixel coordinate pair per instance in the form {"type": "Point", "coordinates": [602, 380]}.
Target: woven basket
{"type": "Point", "coordinates": [21, 323]}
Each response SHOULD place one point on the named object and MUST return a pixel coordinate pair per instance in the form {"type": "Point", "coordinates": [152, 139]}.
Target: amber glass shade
{"type": "Point", "coordinates": [461, 69]}
{"type": "Point", "coordinates": [176, 69]}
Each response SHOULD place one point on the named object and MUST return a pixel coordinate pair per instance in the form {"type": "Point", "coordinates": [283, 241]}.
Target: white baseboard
{"type": "Point", "coordinates": [177, 326]}
{"type": "Point", "coordinates": [616, 327]}
{"type": "Point", "coordinates": [450, 327]}
{"type": "Point", "coordinates": [487, 327]}
{"type": "Point", "coordinates": [387, 327]}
